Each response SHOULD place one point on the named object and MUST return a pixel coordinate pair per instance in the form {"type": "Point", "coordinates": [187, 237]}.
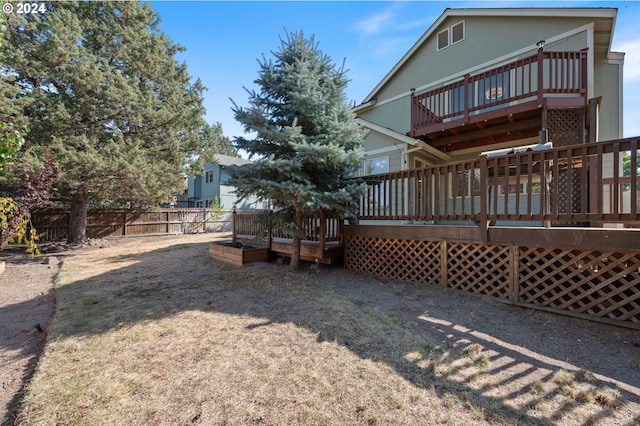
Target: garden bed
{"type": "Point", "coordinates": [237, 253]}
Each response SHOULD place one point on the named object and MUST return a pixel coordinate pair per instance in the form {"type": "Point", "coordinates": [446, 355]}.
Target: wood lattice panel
{"type": "Point", "coordinates": [479, 268]}
{"type": "Point", "coordinates": [563, 191]}
{"type": "Point", "coordinates": [603, 284]}
{"type": "Point", "coordinates": [566, 126]}
{"type": "Point", "coordinates": [417, 261]}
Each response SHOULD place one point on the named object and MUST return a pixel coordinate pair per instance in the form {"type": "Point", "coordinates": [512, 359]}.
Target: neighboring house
{"type": "Point", "coordinates": [204, 190]}
{"type": "Point", "coordinates": [487, 79]}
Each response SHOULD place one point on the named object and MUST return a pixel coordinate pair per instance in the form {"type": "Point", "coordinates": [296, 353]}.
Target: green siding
{"type": "Point", "coordinates": [515, 33]}
{"type": "Point", "coordinates": [394, 115]}
{"type": "Point", "coordinates": [376, 141]}
{"type": "Point", "coordinates": [607, 83]}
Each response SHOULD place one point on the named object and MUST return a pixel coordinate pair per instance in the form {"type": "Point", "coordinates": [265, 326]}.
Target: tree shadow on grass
{"type": "Point", "coordinates": [435, 338]}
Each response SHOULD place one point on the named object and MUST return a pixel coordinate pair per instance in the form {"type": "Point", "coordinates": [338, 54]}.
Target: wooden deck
{"type": "Point", "coordinates": [309, 250]}
{"type": "Point", "coordinates": [563, 240]}
{"type": "Point", "coordinates": [322, 242]}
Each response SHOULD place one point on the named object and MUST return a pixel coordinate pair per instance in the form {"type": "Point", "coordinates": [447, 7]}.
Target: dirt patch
{"type": "Point", "coordinates": [26, 306]}
{"type": "Point", "coordinates": [154, 328]}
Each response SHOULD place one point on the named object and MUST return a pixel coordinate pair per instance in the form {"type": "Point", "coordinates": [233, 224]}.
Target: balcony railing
{"type": "Point", "coordinates": [592, 183]}
{"type": "Point", "coordinates": [520, 85]}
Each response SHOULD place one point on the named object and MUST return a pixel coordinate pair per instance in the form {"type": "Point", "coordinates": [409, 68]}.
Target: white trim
{"type": "Point", "coordinates": [378, 151]}
{"type": "Point", "coordinates": [615, 58]}
{"type": "Point", "coordinates": [402, 138]}
{"type": "Point", "coordinates": [620, 104]}
{"type": "Point", "coordinates": [601, 13]}
{"type": "Point", "coordinates": [590, 62]}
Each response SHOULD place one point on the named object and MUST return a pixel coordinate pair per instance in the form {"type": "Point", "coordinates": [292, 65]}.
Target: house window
{"type": "Point", "coordinates": [451, 35]}
{"type": "Point", "coordinates": [467, 183]}
{"type": "Point", "coordinates": [377, 165]}
{"type": "Point", "coordinates": [209, 176]}
{"type": "Point", "coordinates": [512, 189]}
{"type": "Point", "coordinates": [493, 88]}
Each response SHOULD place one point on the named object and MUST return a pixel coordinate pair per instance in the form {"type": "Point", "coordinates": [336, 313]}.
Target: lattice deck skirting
{"type": "Point", "coordinates": [601, 286]}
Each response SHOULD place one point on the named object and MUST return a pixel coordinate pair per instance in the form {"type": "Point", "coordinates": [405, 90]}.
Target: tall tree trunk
{"type": "Point", "coordinates": [295, 244]}
{"type": "Point", "coordinates": [78, 217]}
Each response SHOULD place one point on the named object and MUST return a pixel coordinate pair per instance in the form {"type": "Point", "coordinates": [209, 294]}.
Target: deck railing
{"type": "Point", "coordinates": [574, 184]}
{"type": "Point", "coordinates": [249, 223]}
{"type": "Point", "coordinates": [520, 84]}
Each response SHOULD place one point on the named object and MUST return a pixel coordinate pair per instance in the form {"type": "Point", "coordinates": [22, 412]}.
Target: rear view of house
{"type": "Point", "coordinates": [487, 79]}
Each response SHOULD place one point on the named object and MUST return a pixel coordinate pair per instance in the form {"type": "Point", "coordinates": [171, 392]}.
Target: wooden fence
{"type": "Point", "coordinates": [53, 225]}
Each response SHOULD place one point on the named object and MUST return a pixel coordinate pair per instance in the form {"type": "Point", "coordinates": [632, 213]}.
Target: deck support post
{"type": "Point", "coordinates": [540, 77]}
{"type": "Point", "coordinates": [484, 199]}
{"type": "Point", "coordinates": [234, 224]}
{"type": "Point", "coordinates": [270, 230]}
{"type": "Point", "coordinates": [514, 274]}
{"type": "Point", "coordinates": [444, 270]}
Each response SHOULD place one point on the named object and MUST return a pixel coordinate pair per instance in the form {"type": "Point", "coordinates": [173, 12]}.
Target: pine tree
{"type": "Point", "coordinates": [97, 86]}
{"type": "Point", "coordinates": [306, 137]}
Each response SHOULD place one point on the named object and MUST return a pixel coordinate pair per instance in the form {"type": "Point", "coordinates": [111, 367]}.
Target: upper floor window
{"type": "Point", "coordinates": [208, 178]}
{"type": "Point", "coordinates": [451, 35]}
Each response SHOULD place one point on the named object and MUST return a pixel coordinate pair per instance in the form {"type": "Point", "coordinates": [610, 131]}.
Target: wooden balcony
{"type": "Point", "coordinates": [501, 104]}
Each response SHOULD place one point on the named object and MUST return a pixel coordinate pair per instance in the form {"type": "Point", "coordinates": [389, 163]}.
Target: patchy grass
{"type": "Point", "coordinates": [154, 332]}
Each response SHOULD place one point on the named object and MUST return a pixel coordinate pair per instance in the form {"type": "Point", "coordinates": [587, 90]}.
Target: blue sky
{"type": "Point", "coordinates": [224, 39]}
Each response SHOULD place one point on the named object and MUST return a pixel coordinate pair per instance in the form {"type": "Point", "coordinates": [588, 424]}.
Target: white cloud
{"type": "Point", "coordinates": [376, 23]}
{"type": "Point", "coordinates": [631, 50]}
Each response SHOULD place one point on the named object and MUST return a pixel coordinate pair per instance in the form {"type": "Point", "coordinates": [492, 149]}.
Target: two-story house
{"type": "Point", "coordinates": [490, 80]}
{"type": "Point", "coordinates": [205, 190]}
{"type": "Point", "coordinates": [485, 79]}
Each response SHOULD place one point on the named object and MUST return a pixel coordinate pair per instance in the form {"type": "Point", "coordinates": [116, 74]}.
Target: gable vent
{"type": "Point", "coordinates": [457, 32]}
{"type": "Point", "coordinates": [443, 39]}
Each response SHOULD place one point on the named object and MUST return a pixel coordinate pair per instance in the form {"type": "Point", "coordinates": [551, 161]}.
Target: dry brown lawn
{"type": "Point", "coordinates": [152, 331]}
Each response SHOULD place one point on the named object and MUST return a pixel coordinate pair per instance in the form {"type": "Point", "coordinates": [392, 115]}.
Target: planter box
{"type": "Point", "coordinates": [237, 255]}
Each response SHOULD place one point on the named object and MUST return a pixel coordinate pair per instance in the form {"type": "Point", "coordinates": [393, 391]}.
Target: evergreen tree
{"type": "Point", "coordinates": [97, 85]}
{"type": "Point", "coordinates": [306, 137]}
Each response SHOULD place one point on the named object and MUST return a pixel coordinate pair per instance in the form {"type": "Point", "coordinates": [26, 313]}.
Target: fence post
{"type": "Point", "coordinates": [323, 229]}
{"type": "Point", "coordinates": [269, 229]}
{"type": "Point", "coordinates": [124, 223]}
{"type": "Point", "coordinates": [233, 225]}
